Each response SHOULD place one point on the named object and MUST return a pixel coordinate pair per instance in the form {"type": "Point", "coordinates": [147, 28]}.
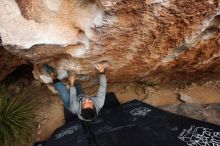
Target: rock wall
{"type": "Point", "coordinates": [8, 62]}
{"type": "Point", "coordinates": [144, 40]}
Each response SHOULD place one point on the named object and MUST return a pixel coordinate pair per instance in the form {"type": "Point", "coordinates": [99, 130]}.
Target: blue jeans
{"type": "Point", "coordinates": [64, 92]}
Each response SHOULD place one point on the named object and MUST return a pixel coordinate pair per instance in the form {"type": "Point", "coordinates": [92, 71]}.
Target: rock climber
{"type": "Point", "coordinates": [75, 99]}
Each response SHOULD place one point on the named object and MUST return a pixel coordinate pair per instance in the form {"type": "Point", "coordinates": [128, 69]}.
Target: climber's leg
{"type": "Point", "coordinates": [63, 92]}
{"type": "Point", "coordinates": [59, 86]}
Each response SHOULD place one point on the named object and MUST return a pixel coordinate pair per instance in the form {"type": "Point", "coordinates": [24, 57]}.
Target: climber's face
{"type": "Point", "coordinates": [87, 103]}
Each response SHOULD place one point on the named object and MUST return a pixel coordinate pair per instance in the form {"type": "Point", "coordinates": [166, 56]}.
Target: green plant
{"type": "Point", "coordinates": [16, 118]}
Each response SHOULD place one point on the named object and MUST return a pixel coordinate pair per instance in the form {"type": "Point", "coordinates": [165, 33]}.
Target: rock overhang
{"type": "Point", "coordinates": [143, 40]}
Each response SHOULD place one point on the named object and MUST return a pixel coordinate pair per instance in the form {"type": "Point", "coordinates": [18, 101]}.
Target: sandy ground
{"type": "Point", "coordinates": [156, 95]}
{"type": "Point", "coordinates": [48, 112]}
{"type": "Point", "coordinates": [49, 109]}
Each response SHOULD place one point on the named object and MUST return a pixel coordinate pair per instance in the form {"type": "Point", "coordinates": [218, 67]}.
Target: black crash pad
{"type": "Point", "coordinates": [136, 124]}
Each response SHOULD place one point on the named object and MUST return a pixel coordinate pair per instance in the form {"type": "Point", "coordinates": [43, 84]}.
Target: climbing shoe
{"type": "Point", "coordinates": [48, 69]}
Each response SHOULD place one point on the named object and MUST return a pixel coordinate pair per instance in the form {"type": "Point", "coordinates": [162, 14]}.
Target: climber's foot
{"type": "Point", "coordinates": [49, 70]}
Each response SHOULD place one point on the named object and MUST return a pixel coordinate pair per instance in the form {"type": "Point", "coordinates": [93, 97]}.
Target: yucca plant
{"type": "Point", "coordinates": [16, 118]}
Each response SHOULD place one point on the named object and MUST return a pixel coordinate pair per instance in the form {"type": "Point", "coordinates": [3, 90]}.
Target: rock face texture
{"type": "Point", "coordinates": [144, 40]}
{"type": "Point", "coordinates": [8, 62]}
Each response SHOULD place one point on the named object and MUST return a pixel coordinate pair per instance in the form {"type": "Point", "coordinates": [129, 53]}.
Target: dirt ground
{"type": "Point", "coordinates": [49, 109]}
{"type": "Point", "coordinates": [160, 95]}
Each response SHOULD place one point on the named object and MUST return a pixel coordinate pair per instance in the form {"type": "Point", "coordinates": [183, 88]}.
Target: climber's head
{"type": "Point", "coordinates": [88, 111]}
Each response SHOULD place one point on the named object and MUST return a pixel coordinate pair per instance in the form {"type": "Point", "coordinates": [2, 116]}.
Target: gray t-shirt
{"type": "Point", "coordinates": [75, 105]}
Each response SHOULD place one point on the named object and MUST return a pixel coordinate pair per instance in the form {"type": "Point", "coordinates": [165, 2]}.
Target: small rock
{"type": "Point", "coordinates": [149, 90]}
{"type": "Point", "coordinates": [185, 98]}
{"type": "Point", "coordinates": [44, 121]}
{"type": "Point", "coordinates": [39, 132]}
{"type": "Point", "coordinates": [39, 126]}
{"type": "Point", "coordinates": [36, 83]}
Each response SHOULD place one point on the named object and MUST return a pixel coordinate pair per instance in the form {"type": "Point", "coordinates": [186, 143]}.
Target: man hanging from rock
{"type": "Point", "coordinates": [75, 99]}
